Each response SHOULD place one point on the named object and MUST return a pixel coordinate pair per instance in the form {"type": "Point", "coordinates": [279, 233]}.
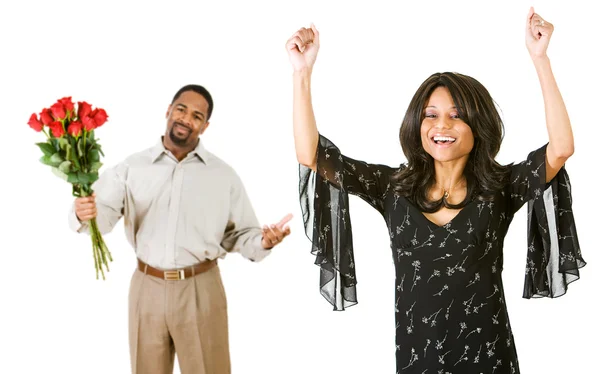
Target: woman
{"type": "Point", "coordinates": [447, 209]}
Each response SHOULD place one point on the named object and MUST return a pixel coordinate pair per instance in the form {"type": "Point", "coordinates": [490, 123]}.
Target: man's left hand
{"type": "Point", "coordinates": [274, 234]}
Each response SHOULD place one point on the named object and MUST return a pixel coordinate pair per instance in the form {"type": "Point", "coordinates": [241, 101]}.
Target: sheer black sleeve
{"type": "Point", "coordinates": [553, 254]}
{"type": "Point", "coordinates": [325, 210]}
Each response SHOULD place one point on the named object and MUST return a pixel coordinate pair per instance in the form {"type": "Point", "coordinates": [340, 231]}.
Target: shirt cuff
{"type": "Point", "coordinates": [74, 222]}
{"type": "Point", "coordinates": [259, 252]}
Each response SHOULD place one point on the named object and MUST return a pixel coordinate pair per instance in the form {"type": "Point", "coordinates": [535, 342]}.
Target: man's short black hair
{"type": "Point", "coordinates": [199, 90]}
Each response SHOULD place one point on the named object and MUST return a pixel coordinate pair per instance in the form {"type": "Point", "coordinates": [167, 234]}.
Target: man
{"type": "Point", "coordinates": [183, 208]}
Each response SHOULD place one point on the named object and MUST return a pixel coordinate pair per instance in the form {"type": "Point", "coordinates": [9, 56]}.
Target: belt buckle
{"type": "Point", "coordinates": [174, 275]}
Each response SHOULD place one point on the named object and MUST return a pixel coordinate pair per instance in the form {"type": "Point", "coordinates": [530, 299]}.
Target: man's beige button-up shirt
{"type": "Point", "coordinates": [175, 213]}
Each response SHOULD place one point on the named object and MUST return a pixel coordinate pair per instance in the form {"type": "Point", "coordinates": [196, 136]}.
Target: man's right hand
{"type": "Point", "coordinates": [85, 208]}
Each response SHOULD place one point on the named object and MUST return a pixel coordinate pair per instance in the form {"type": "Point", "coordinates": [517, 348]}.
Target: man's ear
{"type": "Point", "coordinates": [204, 127]}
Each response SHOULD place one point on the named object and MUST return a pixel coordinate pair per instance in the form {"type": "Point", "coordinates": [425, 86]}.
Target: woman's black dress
{"type": "Point", "coordinates": [450, 311]}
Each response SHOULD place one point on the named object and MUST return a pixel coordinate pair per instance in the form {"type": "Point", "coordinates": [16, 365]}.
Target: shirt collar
{"type": "Point", "coordinates": [159, 149]}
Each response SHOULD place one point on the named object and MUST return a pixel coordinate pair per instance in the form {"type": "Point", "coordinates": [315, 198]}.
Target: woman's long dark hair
{"type": "Point", "coordinates": [477, 109]}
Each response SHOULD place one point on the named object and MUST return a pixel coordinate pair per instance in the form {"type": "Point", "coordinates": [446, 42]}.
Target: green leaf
{"type": "Point", "coordinates": [48, 149]}
{"type": "Point", "coordinates": [80, 152]}
{"type": "Point", "coordinates": [84, 178]}
{"type": "Point", "coordinates": [63, 143]}
{"type": "Point", "coordinates": [65, 167]}
{"type": "Point", "coordinates": [60, 174]}
{"type": "Point", "coordinates": [72, 178]}
{"type": "Point", "coordinates": [56, 158]}
{"type": "Point", "coordinates": [87, 178]}
{"type": "Point", "coordinates": [74, 157]}
{"type": "Point", "coordinates": [46, 160]}
{"type": "Point", "coordinates": [68, 150]}
{"type": "Point", "coordinates": [95, 166]}
{"type": "Point", "coordinates": [93, 177]}
{"type": "Point", "coordinates": [93, 156]}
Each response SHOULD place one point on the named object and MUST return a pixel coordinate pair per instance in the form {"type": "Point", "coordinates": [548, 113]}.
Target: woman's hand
{"type": "Point", "coordinates": [303, 47]}
{"type": "Point", "coordinates": [537, 35]}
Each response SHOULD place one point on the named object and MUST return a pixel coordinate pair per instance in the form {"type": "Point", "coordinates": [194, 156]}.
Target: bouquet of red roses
{"type": "Point", "coordinates": [73, 153]}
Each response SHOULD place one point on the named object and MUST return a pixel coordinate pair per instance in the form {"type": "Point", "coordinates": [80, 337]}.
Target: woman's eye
{"type": "Point", "coordinates": [430, 115]}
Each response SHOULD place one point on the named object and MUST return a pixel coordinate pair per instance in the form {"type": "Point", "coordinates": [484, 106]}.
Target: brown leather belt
{"type": "Point", "coordinates": [178, 274]}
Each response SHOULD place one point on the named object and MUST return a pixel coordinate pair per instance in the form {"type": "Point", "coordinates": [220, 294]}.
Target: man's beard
{"type": "Point", "coordinates": [176, 140]}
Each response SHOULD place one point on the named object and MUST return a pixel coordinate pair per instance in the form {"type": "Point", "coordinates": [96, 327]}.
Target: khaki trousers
{"type": "Point", "coordinates": [187, 317]}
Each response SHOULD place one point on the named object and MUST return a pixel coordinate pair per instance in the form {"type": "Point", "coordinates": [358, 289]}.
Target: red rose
{"type": "Point", "coordinates": [57, 129]}
{"type": "Point", "coordinates": [99, 116]}
{"type": "Point", "coordinates": [58, 111]}
{"type": "Point", "coordinates": [46, 117]}
{"type": "Point", "coordinates": [84, 109]}
{"type": "Point", "coordinates": [35, 123]}
{"type": "Point", "coordinates": [75, 128]}
{"type": "Point", "coordinates": [67, 103]}
{"type": "Point", "coordinates": [88, 123]}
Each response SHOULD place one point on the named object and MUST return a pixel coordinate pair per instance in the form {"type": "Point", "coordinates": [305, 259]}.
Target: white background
{"type": "Point", "coordinates": [131, 59]}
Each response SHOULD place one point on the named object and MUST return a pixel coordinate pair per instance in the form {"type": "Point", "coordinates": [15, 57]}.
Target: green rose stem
{"type": "Point", "coordinates": [85, 153]}
{"type": "Point", "coordinates": [99, 248]}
